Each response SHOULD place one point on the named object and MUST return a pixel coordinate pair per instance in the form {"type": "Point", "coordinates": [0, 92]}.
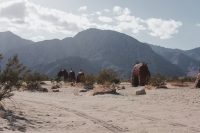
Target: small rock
{"type": "Point", "coordinates": [83, 90]}
{"type": "Point", "coordinates": [56, 90]}
{"type": "Point", "coordinates": [162, 87]}
{"type": "Point", "coordinates": [123, 88]}
{"type": "Point", "coordinates": [43, 89]}
{"type": "Point", "coordinates": [197, 83]}
{"type": "Point", "coordinates": [141, 92]}
{"type": "Point", "coordinates": [88, 87]}
{"type": "Point", "coordinates": [55, 87]}
{"type": "Point", "coordinates": [2, 114]}
{"type": "Point", "coordinates": [42, 83]}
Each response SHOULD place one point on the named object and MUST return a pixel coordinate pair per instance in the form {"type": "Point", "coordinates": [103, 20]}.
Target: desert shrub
{"type": "Point", "coordinates": [183, 79]}
{"type": "Point", "coordinates": [35, 77]}
{"type": "Point", "coordinates": [107, 75]}
{"type": "Point", "coordinates": [157, 80]}
{"type": "Point", "coordinates": [89, 81]}
{"type": "Point", "coordinates": [10, 77]}
{"type": "Point", "coordinates": [34, 81]}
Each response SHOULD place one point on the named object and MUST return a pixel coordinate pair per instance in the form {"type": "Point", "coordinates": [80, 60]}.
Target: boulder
{"type": "Point", "coordinates": [141, 92]}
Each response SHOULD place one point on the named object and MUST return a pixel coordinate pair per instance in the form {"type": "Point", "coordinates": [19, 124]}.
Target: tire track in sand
{"type": "Point", "coordinates": [110, 127]}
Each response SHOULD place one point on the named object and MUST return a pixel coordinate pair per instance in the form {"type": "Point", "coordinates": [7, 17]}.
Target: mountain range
{"type": "Point", "coordinates": [93, 50]}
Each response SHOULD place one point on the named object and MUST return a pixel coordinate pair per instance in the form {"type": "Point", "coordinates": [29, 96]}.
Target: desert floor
{"type": "Point", "coordinates": [174, 110]}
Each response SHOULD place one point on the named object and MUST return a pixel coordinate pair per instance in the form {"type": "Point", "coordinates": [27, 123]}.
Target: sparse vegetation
{"type": "Point", "coordinates": [183, 79]}
{"type": "Point", "coordinates": [107, 75]}
{"type": "Point", "coordinates": [157, 80]}
{"type": "Point", "coordinates": [34, 81]}
{"type": "Point", "coordinates": [10, 77]}
{"type": "Point", "coordinates": [89, 81]}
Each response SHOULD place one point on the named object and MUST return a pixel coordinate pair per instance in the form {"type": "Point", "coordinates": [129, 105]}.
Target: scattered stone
{"type": "Point", "coordinates": [55, 87]}
{"type": "Point", "coordinates": [2, 113]}
{"type": "Point", "coordinates": [162, 87]}
{"type": "Point", "coordinates": [56, 90]}
{"type": "Point", "coordinates": [22, 128]}
{"type": "Point", "coordinates": [141, 92]}
{"type": "Point", "coordinates": [83, 90]}
{"type": "Point", "coordinates": [88, 87]}
{"type": "Point", "coordinates": [72, 84]}
{"type": "Point", "coordinates": [43, 90]}
{"type": "Point", "coordinates": [42, 83]}
{"type": "Point", "coordinates": [123, 88]}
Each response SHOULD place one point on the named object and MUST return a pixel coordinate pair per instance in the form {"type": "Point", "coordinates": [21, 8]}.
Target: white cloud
{"type": "Point", "coordinates": [126, 11]}
{"type": "Point", "coordinates": [37, 22]}
{"type": "Point", "coordinates": [83, 8]}
{"type": "Point", "coordinates": [117, 10]}
{"type": "Point", "coordinates": [106, 10]}
{"type": "Point", "coordinates": [98, 13]}
{"type": "Point", "coordinates": [105, 19]}
{"type": "Point", "coordinates": [198, 25]}
{"type": "Point", "coordinates": [21, 15]}
{"type": "Point", "coordinates": [164, 29]}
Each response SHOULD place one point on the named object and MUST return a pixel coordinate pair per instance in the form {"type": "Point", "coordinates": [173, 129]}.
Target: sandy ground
{"type": "Point", "coordinates": [175, 110]}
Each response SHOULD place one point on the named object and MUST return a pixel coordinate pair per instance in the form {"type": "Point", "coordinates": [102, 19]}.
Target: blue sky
{"type": "Point", "coordinates": [168, 23]}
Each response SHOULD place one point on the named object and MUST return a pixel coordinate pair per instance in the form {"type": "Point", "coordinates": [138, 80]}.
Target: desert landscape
{"type": "Point", "coordinates": [174, 110]}
{"type": "Point", "coordinates": [108, 66]}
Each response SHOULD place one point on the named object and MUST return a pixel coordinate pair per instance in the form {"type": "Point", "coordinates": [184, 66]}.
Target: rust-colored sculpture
{"type": "Point", "coordinates": [62, 73]}
{"type": "Point", "coordinates": [197, 82]}
{"type": "Point", "coordinates": [72, 76]}
{"type": "Point", "coordinates": [140, 74]}
{"type": "Point", "coordinates": [80, 76]}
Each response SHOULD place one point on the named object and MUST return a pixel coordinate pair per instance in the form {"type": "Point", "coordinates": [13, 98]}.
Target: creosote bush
{"type": "Point", "coordinates": [89, 81]}
{"type": "Point", "coordinates": [33, 81]}
{"type": "Point", "coordinates": [35, 77]}
{"type": "Point", "coordinates": [107, 75]}
{"type": "Point", "coordinates": [157, 80]}
{"type": "Point", "coordinates": [10, 77]}
{"type": "Point", "coordinates": [183, 79]}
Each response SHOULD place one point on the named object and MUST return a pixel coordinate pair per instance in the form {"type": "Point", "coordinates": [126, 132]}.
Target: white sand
{"type": "Point", "coordinates": [68, 111]}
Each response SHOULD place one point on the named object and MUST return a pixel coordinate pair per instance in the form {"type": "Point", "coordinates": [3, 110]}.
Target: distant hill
{"type": "Point", "coordinates": [93, 50]}
{"type": "Point", "coordinates": [194, 53]}
{"type": "Point", "coordinates": [186, 60]}
{"type": "Point", "coordinates": [10, 41]}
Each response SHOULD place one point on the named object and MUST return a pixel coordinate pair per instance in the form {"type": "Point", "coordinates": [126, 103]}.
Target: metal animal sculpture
{"type": "Point", "coordinates": [140, 74]}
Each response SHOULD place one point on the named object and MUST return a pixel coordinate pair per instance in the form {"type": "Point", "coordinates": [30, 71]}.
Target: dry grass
{"type": "Point", "coordinates": [106, 88]}
{"type": "Point", "coordinates": [180, 84]}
